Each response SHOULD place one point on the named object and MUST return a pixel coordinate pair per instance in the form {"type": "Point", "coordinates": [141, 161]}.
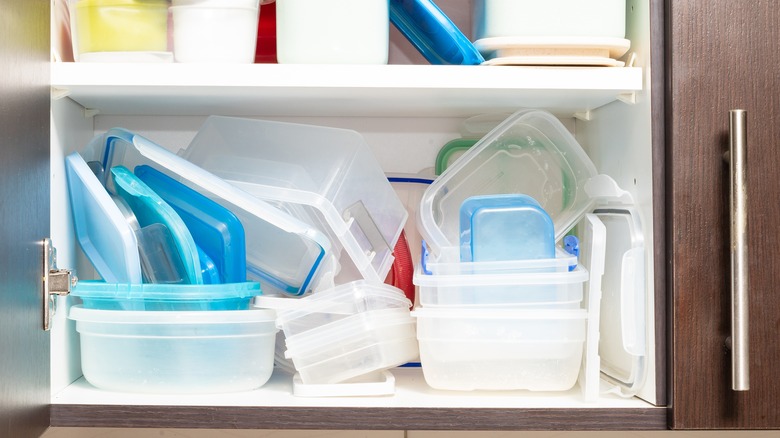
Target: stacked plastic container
{"type": "Point", "coordinates": [172, 312]}
{"type": "Point", "coordinates": [352, 325]}
{"type": "Point", "coordinates": [510, 321]}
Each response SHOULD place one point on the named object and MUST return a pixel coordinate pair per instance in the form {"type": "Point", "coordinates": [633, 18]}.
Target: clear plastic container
{"type": "Point", "coordinates": [175, 352]}
{"type": "Point", "coordinates": [326, 177]}
{"type": "Point", "coordinates": [502, 289]}
{"type": "Point", "coordinates": [301, 315]}
{"type": "Point", "coordinates": [173, 297]}
{"type": "Point", "coordinates": [120, 30]}
{"type": "Point", "coordinates": [355, 346]}
{"type": "Point", "coordinates": [499, 349]}
{"type": "Point", "coordinates": [529, 153]}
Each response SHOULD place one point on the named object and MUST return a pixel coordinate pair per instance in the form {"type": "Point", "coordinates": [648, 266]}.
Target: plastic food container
{"type": "Point", "coordinates": [502, 288]}
{"type": "Point", "coordinates": [326, 177]}
{"type": "Point", "coordinates": [295, 262]}
{"type": "Point", "coordinates": [176, 352]}
{"type": "Point", "coordinates": [531, 153]}
{"type": "Point", "coordinates": [178, 297]}
{"type": "Point", "coordinates": [361, 344]}
{"type": "Point", "coordinates": [332, 32]}
{"type": "Point", "coordinates": [499, 349]}
{"type": "Point", "coordinates": [352, 330]}
{"type": "Point", "coordinates": [207, 32]}
{"type": "Point", "coordinates": [120, 30]}
{"type": "Point", "coordinates": [556, 18]}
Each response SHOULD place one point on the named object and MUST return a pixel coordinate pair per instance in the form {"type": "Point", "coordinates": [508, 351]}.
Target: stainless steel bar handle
{"type": "Point", "coordinates": [740, 370]}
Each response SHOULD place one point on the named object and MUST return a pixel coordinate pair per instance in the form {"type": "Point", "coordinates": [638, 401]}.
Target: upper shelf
{"type": "Point", "coordinates": [338, 90]}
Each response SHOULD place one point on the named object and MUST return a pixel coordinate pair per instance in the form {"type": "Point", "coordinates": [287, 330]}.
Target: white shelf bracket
{"type": "Point", "coordinates": [629, 97]}
{"type": "Point", "coordinates": [89, 113]}
{"type": "Point", "coordinates": [59, 93]}
{"type": "Point", "coordinates": [585, 116]}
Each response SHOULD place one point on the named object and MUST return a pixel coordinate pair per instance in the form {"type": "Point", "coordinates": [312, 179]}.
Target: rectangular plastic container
{"type": "Point", "coordinates": [176, 352]}
{"type": "Point", "coordinates": [120, 30]}
{"type": "Point", "coordinates": [332, 32]}
{"type": "Point", "coordinates": [173, 297]}
{"type": "Point", "coordinates": [499, 349]}
{"type": "Point", "coordinates": [310, 313]}
{"type": "Point", "coordinates": [355, 346]}
{"type": "Point", "coordinates": [323, 176]}
{"type": "Point", "coordinates": [283, 253]}
{"type": "Point", "coordinates": [501, 289]}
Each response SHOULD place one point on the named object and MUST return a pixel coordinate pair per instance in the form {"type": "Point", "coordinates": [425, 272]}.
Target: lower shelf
{"type": "Point", "coordinates": [414, 406]}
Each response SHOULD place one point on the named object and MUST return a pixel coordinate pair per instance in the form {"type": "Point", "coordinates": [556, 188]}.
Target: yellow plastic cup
{"type": "Point", "coordinates": [121, 25]}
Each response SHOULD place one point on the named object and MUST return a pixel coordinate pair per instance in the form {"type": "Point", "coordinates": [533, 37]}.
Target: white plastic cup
{"type": "Point", "coordinates": [209, 34]}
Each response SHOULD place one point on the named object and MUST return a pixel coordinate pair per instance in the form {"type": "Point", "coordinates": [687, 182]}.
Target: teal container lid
{"type": "Point", "coordinates": [147, 296]}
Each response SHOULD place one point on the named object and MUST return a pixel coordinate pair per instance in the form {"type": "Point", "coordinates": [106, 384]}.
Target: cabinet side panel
{"type": "Point", "coordinates": [24, 215]}
{"type": "Point", "coordinates": [724, 56]}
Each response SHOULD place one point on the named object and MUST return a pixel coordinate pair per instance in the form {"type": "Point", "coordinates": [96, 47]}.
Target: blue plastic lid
{"type": "Point", "coordinates": [505, 227]}
{"type": "Point", "coordinates": [216, 230]}
{"type": "Point", "coordinates": [432, 33]}
{"type": "Point", "coordinates": [101, 229]}
{"type": "Point", "coordinates": [150, 209]}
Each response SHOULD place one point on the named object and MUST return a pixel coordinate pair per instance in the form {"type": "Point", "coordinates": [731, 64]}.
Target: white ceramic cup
{"type": "Point", "coordinates": [209, 34]}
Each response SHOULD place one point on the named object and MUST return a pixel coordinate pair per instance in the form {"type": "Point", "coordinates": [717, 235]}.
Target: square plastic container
{"type": "Point", "coordinates": [323, 176]}
{"type": "Point", "coordinates": [176, 352]}
{"type": "Point", "coordinates": [499, 349]}
{"type": "Point", "coordinates": [283, 253]}
{"type": "Point", "coordinates": [529, 153]}
{"type": "Point", "coordinates": [332, 32]}
{"type": "Point", "coordinates": [120, 30]}
{"type": "Point", "coordinates": [175, 297]}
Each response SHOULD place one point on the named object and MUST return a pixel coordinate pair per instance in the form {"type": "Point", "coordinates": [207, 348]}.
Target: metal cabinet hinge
{"type": "Point", "coordinates": [56, 282]}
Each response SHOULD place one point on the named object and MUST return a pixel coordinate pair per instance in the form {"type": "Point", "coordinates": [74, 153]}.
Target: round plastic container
{"type": "Point", "coordinates": [100, 26]}
{"type": "Point", "coordinates": [218, 34]}
{"type": "Point", "coordinates": [549, 18]}
{"type": "Point", "coordinates": [332, 32]}
{"type": "Point", "coordinates": [176, 352]}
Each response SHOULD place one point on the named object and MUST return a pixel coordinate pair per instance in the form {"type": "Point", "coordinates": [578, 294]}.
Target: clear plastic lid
{"type": "Point", "coordinates": [530, 153]}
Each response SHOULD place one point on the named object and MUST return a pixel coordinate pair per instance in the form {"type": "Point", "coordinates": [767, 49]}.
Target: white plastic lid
{"type": "Point", "coordinates": [79, 313]}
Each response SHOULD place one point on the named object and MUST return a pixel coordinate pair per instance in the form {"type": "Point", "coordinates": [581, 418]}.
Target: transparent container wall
{"type": "Point", "coordinates": [329, 176]}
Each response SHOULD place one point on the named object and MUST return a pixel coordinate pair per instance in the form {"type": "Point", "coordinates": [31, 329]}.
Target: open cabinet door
{"type": "Point", "coordinates": [24, 215]}
{"type": "Point", "coordinates": [723, 56]}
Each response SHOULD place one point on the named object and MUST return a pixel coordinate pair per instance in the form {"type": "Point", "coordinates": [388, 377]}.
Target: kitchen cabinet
{"type": "Point", "coordinates": [406, 113]}
{"type": "Point", "coordinates": [722, 56]}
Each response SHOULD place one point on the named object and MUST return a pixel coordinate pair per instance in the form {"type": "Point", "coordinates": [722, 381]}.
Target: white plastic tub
{"type": "Point", "coordinates": [332, 32]}
{"type": "Point", "coordinates": [172, 352]}
{"type": "Point", "coordinates": [550, 18]}
{"type": "Point", "coordinates": [219, 34]}
{"type": "Point", "coordinates": [500, 349]}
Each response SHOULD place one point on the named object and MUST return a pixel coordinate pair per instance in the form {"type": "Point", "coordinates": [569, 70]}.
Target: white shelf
{"type": "Point", "coordinates": [411, 392]}
{"type": "Point", "coordinates": [338, 90]}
